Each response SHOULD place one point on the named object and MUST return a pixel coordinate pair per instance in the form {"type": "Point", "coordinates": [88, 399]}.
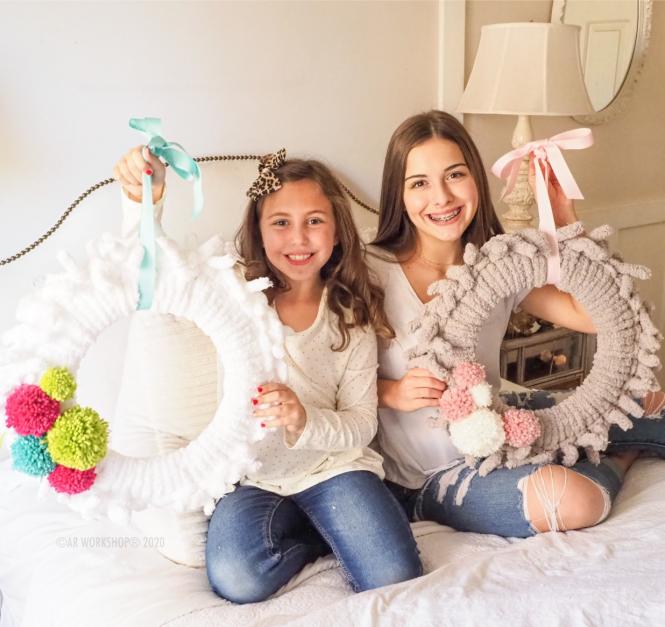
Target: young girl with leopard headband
{"type": "Point", "coordinates": [434, 200]}
{"type": "Point", "coordinates": [319, 487]}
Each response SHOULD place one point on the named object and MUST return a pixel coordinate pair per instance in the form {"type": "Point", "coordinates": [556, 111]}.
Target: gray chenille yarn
{"type": "Point", "coordinates": [625, 361]}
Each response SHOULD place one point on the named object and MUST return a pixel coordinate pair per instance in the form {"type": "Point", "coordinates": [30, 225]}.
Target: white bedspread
{"type": "Point", "coordinates": [610, 575]}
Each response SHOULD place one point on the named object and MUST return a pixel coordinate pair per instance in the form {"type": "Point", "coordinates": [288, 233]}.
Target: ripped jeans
{"type": "Point", "coordinates": [458, 497]}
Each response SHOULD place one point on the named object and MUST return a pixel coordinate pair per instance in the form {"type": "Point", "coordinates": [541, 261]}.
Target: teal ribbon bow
{"type": "Point", "coordinates": [187, 169]}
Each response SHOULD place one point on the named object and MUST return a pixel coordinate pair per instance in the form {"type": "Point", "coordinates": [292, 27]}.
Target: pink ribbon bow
{"type": "Point", "coordinates": [544, 152]}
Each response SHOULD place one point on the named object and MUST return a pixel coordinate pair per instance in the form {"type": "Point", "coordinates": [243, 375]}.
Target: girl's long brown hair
{"type": "Point", "coordinates": [396, 232]}
{"type": "Point", "coordinates": [352, 296]}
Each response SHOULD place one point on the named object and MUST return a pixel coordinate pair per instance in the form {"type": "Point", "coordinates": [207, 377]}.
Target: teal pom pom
{"type": "Point", "coordinates": [58, 383]}
{"type": "Point", "coordinates": [30, 455]}
{"type": "Point", "coordinates": [78, 439]}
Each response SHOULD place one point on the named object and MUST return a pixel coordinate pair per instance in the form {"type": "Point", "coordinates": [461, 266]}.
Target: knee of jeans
{"type": "Point", "coordinates": [390, 572]}
{"type": "Point", "coordinates": [557, 498]}
{"type": "Point", "coordinates": [236, 580]}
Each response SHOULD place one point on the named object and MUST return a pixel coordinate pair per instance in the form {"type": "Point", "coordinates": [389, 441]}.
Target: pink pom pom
{"type": "Point", "coordinates": [30, 411]}
{"type": "Point", "coordinates": [70, 480]}
{"type": "Point", "coordinates": [468, 373]}
{"type": "Point", "coordinates": [521, 426]}
{"type": "Point", "coordinates": [456, 404]}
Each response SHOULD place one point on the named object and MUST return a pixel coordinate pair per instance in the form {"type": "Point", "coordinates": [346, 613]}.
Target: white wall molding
{"type": "Point", "coordinates": [450, 50]}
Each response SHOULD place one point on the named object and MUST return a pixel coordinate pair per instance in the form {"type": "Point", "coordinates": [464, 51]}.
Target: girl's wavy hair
{"type": "Point", "coordinates": [352, 295]}
{"type": "Point", "coordinates": [396, 232]}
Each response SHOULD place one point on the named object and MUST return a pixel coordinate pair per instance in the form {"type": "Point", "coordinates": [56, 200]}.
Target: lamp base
{"type": "Point", "coordinates": [520, 199]}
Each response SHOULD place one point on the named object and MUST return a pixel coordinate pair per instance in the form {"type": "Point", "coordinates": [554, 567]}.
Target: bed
{"type": "Point", "coordinates": [57, 569]}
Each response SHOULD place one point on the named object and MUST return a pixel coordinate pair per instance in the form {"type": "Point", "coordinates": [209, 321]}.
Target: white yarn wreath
{"type": "Point", "coordinates": [603, 283]}
{"type": "Point", "coordinates": [62, 318]}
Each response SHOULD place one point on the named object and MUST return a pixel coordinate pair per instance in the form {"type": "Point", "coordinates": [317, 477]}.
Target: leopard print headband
{"type": "Point", "coordinates": [267, 181]}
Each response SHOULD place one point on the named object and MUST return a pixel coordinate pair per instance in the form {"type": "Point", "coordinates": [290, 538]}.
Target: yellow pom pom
{"type": "Point", "coordinates": [78, 439]}
{"type": "Point", "coordinates": [58, 383]}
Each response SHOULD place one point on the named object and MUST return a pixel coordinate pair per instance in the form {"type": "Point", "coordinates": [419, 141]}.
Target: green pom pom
{"type": "Point", "coordinates": [29, 455]}
{"type": "Point", "coordinates": [78, 439]}
{"type": "Point", "coordinates": [58, 383]}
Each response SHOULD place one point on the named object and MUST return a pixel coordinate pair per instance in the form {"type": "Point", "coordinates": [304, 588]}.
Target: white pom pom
{"type": "Point", "coordinates": [481, 393]}
{"type": "Point", "coordinates": [260, 284]}
{"type": "Point", "coordinates": [222, 263]}
{"type": "Point", "coordinates": [85, 503]}
{"type": "Point", "coordinates": [480, 434]}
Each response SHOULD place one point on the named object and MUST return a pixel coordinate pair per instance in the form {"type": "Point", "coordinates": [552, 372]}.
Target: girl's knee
{"type": "Point", "coordinates": [557, 498]}
{"type": "Point", "coordinates": [235, 580]}
{"type": "Point", "coordinates": [653, 403]}
{"type": "Point", "coordinates": [388, 572]}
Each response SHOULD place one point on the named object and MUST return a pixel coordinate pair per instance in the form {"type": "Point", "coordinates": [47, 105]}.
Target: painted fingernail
{"type": "Point", "coordinates": [148, 172]}
{"type": "Point", "coordinates": [260, 389]}
{"type": "Point", "coordinates": [263, 424]}
{"type": "Point", "coordinates": [254, 401]}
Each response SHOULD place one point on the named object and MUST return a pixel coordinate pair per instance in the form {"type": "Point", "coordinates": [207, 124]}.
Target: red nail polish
{"type": "Point", "coordinates": [148, 172]}
{"type": "Point", "coordinates": [263, 424]}
{"type": "Point", "coordinates": [260, 389]}
{"type": "Point", "coordinates": [254, 401]}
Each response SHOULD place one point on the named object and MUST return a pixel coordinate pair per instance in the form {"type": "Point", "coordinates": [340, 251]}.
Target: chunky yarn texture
{"type": "Point", "coordinates": [62, 318]}
{"type": "Point", "coordinates": [627, 341]}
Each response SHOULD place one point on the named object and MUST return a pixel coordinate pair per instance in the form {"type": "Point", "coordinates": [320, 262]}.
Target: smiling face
{"type": "Point", "coordinates": [298, 232]}
{"type": "Point", "coordinates": [440, 195]}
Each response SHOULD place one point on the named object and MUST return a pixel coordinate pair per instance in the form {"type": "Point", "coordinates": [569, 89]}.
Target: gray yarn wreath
{"type": "Point", "coordinates": [625, 361]}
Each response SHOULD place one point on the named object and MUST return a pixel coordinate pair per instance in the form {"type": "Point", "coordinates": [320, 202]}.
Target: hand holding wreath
{"type": "Point", "coordinates": [130, 169]}
{"type": "Point", "coordinates": [279, 406]}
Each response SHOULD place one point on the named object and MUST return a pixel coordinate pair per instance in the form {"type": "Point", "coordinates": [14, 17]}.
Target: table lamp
{"type": "Point", "coordinates": [526, 69]}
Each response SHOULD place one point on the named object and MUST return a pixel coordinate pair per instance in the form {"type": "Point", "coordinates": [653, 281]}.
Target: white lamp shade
{"type": "Point", "coordinates": [527, 69]}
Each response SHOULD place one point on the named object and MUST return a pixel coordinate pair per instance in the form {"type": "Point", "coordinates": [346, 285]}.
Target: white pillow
{"type": "Point", "coordinates": [168, 395]}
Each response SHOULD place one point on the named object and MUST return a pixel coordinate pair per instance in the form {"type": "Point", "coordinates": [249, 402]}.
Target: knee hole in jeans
{"type": "Point", "coordinates": [557, 498]}
{"type": "Point", "coordinates": [653, 403]}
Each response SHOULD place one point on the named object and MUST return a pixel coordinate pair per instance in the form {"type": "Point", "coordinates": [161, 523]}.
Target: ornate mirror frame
{"type": "Point", "coordinates": [622, 98]}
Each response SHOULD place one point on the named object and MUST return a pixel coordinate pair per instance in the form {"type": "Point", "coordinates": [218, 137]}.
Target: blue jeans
{"type": "Point", "coordinates": [495, 503]}
{"type": "Point", "coordinates": [258, 540]}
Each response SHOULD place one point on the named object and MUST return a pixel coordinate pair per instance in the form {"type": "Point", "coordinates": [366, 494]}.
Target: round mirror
{"type": "Point", "coordinates": [613, 41]}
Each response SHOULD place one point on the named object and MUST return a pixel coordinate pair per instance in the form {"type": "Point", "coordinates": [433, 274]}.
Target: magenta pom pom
{"type": "Point", "coordinates": [521, 426]}
{"type": "Point", "coordinates": [456, 404]}
{"type": "Point", "coordinates": [70, 480]}
{"type": "Point", "coordinates": [468, 373]}
{"type": "Point", "coordinates": [30, 411]}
